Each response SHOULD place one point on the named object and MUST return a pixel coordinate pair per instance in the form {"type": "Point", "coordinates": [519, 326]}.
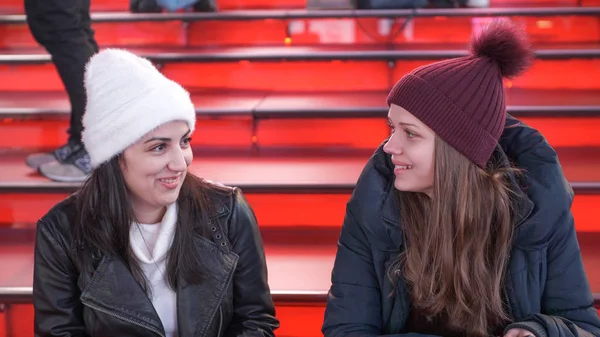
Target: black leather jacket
{"type": "Point", "coordinates": [109, 302]}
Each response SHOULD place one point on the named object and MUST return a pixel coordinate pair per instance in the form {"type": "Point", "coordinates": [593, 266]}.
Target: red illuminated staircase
{"type": "Point", "coordinates": [291, 104]}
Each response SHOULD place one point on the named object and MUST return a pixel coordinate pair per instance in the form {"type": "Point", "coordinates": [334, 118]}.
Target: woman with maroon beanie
{"type": "Point", "coordinates": [460, 223]}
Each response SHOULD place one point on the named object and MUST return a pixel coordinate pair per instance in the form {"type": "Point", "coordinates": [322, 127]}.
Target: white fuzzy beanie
{"type": "Point", "coordinates": [127, 97]}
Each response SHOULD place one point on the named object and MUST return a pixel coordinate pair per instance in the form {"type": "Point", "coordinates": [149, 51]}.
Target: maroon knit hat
{"type": "Point", "coordinates": [462, 99]}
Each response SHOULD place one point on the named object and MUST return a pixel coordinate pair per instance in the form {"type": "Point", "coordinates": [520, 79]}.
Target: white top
{"type": "Point", "coordinates": [150, 244]}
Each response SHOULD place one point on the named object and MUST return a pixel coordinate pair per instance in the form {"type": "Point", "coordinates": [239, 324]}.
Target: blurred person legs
{"type": "Point", "coordinates": [144, 6]}
{"type": "Point", "coordinates": [157, 6]}
{"type": "Point", "coordinates": [206, 6]}
{"type": "Point", "coordinates": [406, 4]}
{"type": "Point", "coordinates": [63, 28]}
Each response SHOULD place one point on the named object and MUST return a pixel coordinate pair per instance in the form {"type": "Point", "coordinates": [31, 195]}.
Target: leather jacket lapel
{"type": "Point", "coordinates": [113, 291]}
{"type": "Point", "coordinates": [198, 304]}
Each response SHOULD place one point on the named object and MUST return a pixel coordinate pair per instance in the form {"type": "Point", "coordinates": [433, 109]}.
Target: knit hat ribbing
{"type": "Point", "coordinates": [462, 100]}
{"type": "Point", "coordinates": [127, 97]}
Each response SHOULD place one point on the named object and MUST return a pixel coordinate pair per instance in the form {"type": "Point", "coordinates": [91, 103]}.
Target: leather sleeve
{"type": "Point", "coordinates": [57, 309]}
{"type": "Point", "coordinates": [254, 311]}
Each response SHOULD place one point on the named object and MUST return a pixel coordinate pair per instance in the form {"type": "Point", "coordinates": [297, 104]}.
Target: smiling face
{"type": "Point", "coordinates": [154, 169]}
{"type": "Point", "coordinates": [412, 148]}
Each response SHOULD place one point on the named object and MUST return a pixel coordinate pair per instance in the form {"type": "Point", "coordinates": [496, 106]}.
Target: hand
{"type": "Point", "coordinates": [519, 333]}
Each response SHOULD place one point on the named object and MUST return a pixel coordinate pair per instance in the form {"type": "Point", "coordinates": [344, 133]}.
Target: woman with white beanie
{"type": "Point", "coordinates": [145, 248]}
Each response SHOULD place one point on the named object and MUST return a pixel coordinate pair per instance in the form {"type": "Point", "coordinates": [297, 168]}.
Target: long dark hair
{"type": "Point", "coordinates": [106, 214]}
{"type": "Point", "coordinates": [458, 242]}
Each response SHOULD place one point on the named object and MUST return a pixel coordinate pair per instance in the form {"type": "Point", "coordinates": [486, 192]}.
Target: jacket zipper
{"type": "Point", "coordinates": [508, 307]}
{"type": "Point", "coordinates": [220, 320]}
{"type": "Point", "coordinates": [124, 318]}
{"type": "Point", "coordinates": [507, 276]}
{"type": "Point", "coordinates": [505, 288]}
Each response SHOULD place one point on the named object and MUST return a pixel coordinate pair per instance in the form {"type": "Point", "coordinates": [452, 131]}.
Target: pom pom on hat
{"type": "Point", "coordinates": [462, 99]}
{"type": "Point", "coordinates": [127, 97]}
{"type": "Point", "coordinates": [506, 44]}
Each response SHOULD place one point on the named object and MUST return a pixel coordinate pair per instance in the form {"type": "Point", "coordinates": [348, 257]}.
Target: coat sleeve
{"type": "Point", "coordinates": [567, 302]}
{"type": "Point", "coordinates": [57, 309]}
{"type": "Point", "coordinates": [353, 302]}
{"type": "Point", "coordinates": [254, 311]}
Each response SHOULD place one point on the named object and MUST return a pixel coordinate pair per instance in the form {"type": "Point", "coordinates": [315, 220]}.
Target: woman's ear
{"type": "Point", "coordinates": [122, 163]}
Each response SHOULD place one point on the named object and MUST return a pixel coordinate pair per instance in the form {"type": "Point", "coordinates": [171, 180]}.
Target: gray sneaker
{"type": "Point", "coordinates": [76, 169]}
{"type": "Point", "coordinates": [61, 155]}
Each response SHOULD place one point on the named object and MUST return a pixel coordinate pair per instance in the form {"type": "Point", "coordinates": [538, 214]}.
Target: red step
{"type": "Point", "coordinates": [292, 269]}
{"type": "Point", "coordinates": [3, 328]}
{"type": "Point", "coordinates": [54, 105]}
{"type": "Point", "coordinates": [295, 320]}
{"type": "Point", "coordinates": [308, 76]}
{"type": "Point", "coordinates": [337, 75]}
{"type": "Point", "coordinates": [273, 32]}
{"type": "Point", "coordinates": [331, 178]}
{"type": "Point", "coordinates": [316, 133]}
{"type": "Point", "coordinates": [19, 320]}
{"type": "Point", "coordinates": [16, 6]}
{"type": "Point", "coordinates": [238, 133]}
{"type": "Point", "coordinates": [278, 209]}
{"type": "Point", "coordinates": [297, 268]}
{"type": "Point", "coordinates": [226, 133]}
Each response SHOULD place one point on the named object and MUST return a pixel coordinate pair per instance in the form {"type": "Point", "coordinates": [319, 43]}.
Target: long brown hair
{"type": "Point", "coordinates": [458, 242]}
{"type": "Point", "coordinates": [106, 214]}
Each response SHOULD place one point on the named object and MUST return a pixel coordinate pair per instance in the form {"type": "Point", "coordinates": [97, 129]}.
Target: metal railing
{"type": "Point", "coordinates": [586, 187]}
{"type": "Point", "coordinates": [14, 295]}
{"type": "Point", "coordinates": [249, 15]}
{"type": "Point", "coordinates": [266, 55]}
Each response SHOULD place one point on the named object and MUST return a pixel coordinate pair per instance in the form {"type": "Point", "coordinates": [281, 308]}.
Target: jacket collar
{"type": "Point", "coordinates": [114, 291]}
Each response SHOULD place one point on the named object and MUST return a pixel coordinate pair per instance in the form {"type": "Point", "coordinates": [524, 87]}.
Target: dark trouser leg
{"type": "Point", "coordinates": [144, 6]}
{"type": "Point", "coordinates": [63, 27]}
